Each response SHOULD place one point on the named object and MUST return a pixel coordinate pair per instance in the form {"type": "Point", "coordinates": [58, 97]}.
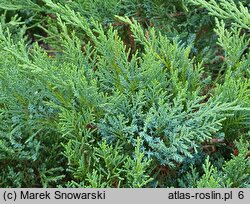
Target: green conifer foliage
{"type": "Point", "coordinates": [107, 94]}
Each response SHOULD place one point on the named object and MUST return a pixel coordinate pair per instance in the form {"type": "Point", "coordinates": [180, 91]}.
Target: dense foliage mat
{"type": "Point", "coordinates": [124, 93]}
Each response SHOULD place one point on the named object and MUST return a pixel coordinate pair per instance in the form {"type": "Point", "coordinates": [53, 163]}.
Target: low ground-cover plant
{"type": "Point", "coordinates": [86, 107]}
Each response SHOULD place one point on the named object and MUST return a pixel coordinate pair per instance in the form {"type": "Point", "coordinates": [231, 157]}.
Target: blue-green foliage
{"type": "Point", "coordinates": [93, 111]}
{"type": "Point", "coordinates": [234, 173]}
